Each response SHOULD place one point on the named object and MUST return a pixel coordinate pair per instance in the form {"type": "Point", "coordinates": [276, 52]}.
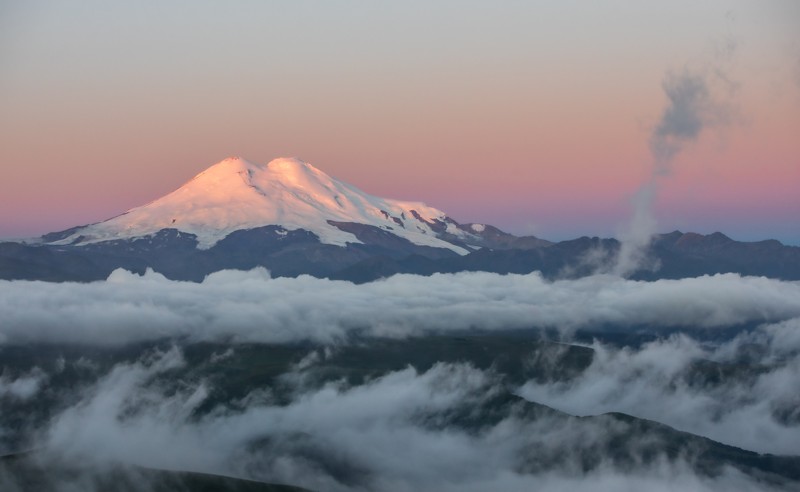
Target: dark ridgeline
{"type": "Point", "coordinates": [289, 253]}
{"type": "Point", "coordinates": [294, 219]}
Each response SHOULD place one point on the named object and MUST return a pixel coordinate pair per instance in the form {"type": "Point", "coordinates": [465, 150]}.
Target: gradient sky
{"type": "Point", "coordinates": [532, 116]}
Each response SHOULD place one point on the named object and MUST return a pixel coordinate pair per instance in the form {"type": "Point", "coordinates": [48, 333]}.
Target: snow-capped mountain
{"type": "Point", "coordinates": [293, 219]}
{"type": "Point", "coordinates": [235, 194]}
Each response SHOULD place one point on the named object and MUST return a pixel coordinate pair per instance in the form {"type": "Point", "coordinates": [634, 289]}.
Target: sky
{"type": "Point", "coordinates": [536, 117]}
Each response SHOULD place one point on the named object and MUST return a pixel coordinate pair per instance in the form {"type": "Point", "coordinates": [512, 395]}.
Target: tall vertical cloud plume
{"type": "Point", "coordinates": [691, 108]}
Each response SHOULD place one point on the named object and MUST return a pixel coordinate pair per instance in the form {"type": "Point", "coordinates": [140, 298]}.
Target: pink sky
{"type": "Point", "coordinates": [535, 119]}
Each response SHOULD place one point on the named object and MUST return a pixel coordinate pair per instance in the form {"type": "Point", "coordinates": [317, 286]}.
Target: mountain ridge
{"type": "Point", "coordinates": [293, 219]}
{"type": "Point", "coordinates": [235, 194]}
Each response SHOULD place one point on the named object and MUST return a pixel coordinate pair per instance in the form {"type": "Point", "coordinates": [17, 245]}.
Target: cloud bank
{"type": "Point", "coordinates": [434, 429]}
{"type": "Point", "coordinates": [252, 307]}
{"type": "Point", "coordinates": [393, 433]}
{"type": "Point", "coordinates": [747, 396]}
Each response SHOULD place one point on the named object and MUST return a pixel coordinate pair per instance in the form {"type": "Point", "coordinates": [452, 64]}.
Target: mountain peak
{"type": "Point", "coordinates": [288, 170]}
{"type": "Point", "coordinates": [236, 194]}
{"type": "Point", "coordinates": [289, 164]}
{"type": "Point", "coordinates": [296, 172]}
{"type": "Point", "coordinates": [229, 165]}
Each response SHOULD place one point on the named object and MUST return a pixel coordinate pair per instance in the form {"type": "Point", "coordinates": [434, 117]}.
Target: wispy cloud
{"type": "Point", "coordinates": [694, 104]}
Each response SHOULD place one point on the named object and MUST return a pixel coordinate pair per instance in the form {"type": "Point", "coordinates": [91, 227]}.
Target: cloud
{"type": "Point", "coordinates": [397, 432]}
{"type": "Point", "coordinates": [409, 430]}
{"type": "Point", "coordinates": [693, 106]}
{"type": "Point", "coordinates": [22, 387]}
{"type": "Point", "coordinates": [748, 398]}
{"type": "Point", "coordinates": [251, 307]}
{"type": "Point", "coordinates": [689, 110]}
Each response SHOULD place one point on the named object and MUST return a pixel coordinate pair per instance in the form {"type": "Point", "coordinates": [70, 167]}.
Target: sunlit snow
{"type": "Point", "coordinates": [235, 194]}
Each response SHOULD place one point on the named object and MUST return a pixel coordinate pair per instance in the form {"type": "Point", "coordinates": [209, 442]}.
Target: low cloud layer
{"type": "Point", "coordinates": [22, 387]}
{"type": "Point", "coordinates": [405, 429]}
{"type": "Point", "coordinates": [393, 433]}
{"type": "Point", "coordinates": [251, 306]}
{"type": "Point", "coordinates": [748, 396]}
